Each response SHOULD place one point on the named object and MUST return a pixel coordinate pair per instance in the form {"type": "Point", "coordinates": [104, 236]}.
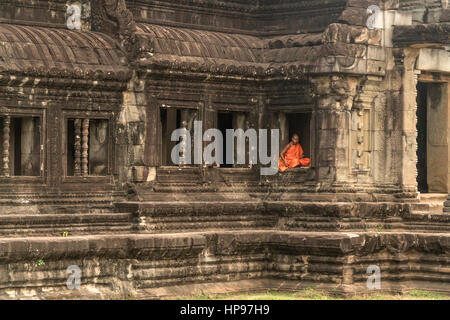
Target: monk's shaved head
{"type": "Point", "coordinates": [295, 138]}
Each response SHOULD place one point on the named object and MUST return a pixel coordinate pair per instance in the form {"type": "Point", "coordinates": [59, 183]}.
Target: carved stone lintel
{"type": "Point", "coordinates": [77, 148]}
{"type": "Point", "coordinates": [5, 154]}
{"type": "Point", "coordinates": [85, 148]}
{"type": "Point", "coordinates": [114, 18]}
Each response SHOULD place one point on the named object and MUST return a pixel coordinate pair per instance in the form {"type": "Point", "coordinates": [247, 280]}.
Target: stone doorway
{"type": "Point", "coordinates": [432, 138]}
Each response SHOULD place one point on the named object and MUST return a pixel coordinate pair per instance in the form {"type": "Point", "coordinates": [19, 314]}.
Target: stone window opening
{"type": "Point", "coordinates": [170, 120]}
{"type": "Point", "coordinates": [20, 146]}
{"type": "Point", "coordinates": [224, 122]}
{"type": "Point", "coordinates": [87, 147]}
{"type": "Point", "coordinates": [300, 123]}
{"type": "Point", "coordinates": [234, 120]}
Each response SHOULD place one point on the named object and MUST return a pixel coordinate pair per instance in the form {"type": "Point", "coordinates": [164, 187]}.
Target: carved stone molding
{"type": "Point", "coordinates": [113, 17]}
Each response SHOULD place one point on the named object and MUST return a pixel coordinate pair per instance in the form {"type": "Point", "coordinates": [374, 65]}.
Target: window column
{"type": "Point", "coordinates": [85, 148]}
{"type": "Point", "coordinates": [5, 170]}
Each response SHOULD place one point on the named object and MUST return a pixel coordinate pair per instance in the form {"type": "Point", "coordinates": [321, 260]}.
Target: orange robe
{"type": "Point", "coordinates": [294, 158]}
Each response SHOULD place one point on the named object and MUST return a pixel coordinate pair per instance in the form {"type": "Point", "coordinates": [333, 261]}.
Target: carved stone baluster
{"type": "Point", "coordinates": [5, 142]}
{"type": "Point", "coordinates": [85, 148]}
{"type": "Point", "coordinates": [77, 147]}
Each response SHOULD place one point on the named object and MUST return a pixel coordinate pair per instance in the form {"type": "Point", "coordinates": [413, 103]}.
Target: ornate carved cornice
{"type": "Point", "coordinates": [422, 35]}
{"type": "Point", "coordinates": [60, 53]}
{"type": "Point", "coordinates": [114, 18]}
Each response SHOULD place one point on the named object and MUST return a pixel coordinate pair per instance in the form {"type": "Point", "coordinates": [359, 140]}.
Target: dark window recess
{"type": "Point", "coordinates": [299, 123]}
{"type": "Point", "coordinates": [24, 146]}
{"type": "Point", "coordinates": [70, 147]}
{"type": "Point", "coordinates": [87, 147]}
{"type": "Point", "coordinates": [170, 120]}
{"type": "Point", "coordinates": [224, 122]}
{"type": "Point", "coordinates": [422, 137]}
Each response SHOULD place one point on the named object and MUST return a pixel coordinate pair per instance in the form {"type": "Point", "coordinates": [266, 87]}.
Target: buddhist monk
{"type": "Point", "coordinates": [292, 155]}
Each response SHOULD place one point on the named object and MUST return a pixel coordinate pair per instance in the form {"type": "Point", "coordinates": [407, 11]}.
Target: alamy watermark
{"type": "Point", "coordinates": [375, 20]}
{"type": "Point", "coordinates": [374, 280]}
{"type": "Point", "coordinates": [74, 280]}
{"type": "Point", "coordinates": [74, 19]}
{"type": "Point", "coordinates": [258, 147]}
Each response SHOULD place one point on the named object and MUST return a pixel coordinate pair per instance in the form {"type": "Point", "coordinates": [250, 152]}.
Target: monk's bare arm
{"type": "Point", "coordinates": [284, 151]}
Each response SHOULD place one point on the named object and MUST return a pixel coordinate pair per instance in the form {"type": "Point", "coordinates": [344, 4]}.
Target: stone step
{"type": "Point", "coordinates": [57, 224]}
{"type": "Point", "coordinates": [220, 213]}
{"type": "Point", "coordinates": [85, 217]}
{"type": "Point", "coordinates": [179, 216]}
{"type": "Point", "coordinates": [433, 197]}
{"type": "Point", "coordinates": [62, 196]}
{"type": "Point", "coordinates": [185, 175]}
{"type": "Point", "coordinates": [427, 207]}
{"type": "Point", "coordinates": [183, 206]}
{"type": "Point", "coordinates": [208, 197]}
{"type": "Point", "coordinates": [429, 202]}
{"type": "Point", "coordinates": [27, 209]}
{"type": "Point", "coordinates": [428, 216]}
{"type": "Point", "coordinates": [414, 222]}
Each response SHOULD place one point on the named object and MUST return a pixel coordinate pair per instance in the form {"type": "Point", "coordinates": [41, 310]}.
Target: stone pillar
{"type": "Point", "coordinates": [85, 148]}
{"type": "Point", "coordinates": [77, 148]}
{"type": "Point", "coordinates": [154, 134]}
{"type": "Point", "coordinates": [369, 130]}
{"type": "Point", "coordinates": [447, 203]}
{"type": "Point", "coordinates": [5, 154]}
{"type": "Point", "coordinates": [183, 141]}
{"type": "Point", "coordinates": [250, 148]}
{"type": "Point", "coordinates": [210, 121]}
{"type": "Point", "coordinates": [138, 150]}
{"type": "Point", "coordinates": [334, 96]}
{"type": "Point", "coordinates": [406, 116]}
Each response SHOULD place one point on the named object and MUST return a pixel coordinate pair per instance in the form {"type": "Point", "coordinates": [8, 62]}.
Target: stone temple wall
{"type": "Point", "coordinates": [85, 123]}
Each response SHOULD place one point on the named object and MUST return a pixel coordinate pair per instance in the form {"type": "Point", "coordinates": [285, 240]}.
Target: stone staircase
{"type": "Point", "coordinates": [62, 215]}
{"type": "Point", "coordinates": [65, 224]}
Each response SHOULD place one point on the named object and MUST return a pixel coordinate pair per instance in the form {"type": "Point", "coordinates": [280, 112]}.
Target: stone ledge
{"type": "Point", "coordinates": [262, 285]}
{"type": "Point", "coordinates": [143, 265]}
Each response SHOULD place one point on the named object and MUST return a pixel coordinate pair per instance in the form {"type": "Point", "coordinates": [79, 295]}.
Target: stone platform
{"type": "Point", "coordinates": [170, 265]}
{"type": "Point", "coordinates": [160, 244]}
{"type": "Point", "coordinates": [258, 213]}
